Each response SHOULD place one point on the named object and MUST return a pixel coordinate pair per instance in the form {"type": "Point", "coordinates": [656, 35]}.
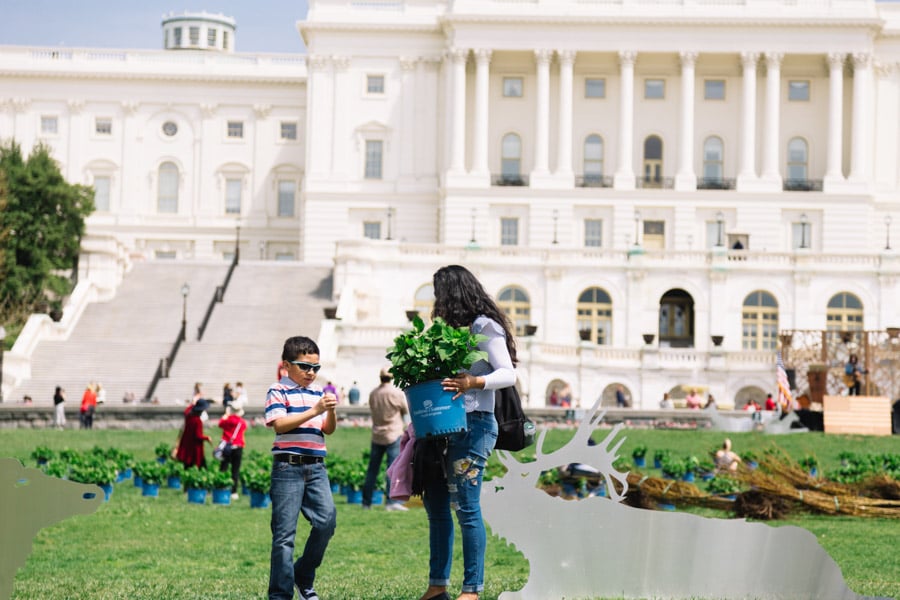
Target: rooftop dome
{"type": "Point", "coordinates": [198, 31]}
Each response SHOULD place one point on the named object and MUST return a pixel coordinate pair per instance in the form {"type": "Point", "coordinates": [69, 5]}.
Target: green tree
{"type": "Point", "coordinates": [41, 225]}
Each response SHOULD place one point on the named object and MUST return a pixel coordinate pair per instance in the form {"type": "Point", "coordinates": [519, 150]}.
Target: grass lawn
{"type": "Point", "coordinates": [164, 548]}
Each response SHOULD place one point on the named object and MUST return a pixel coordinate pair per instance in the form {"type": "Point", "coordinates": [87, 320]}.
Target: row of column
{"type": "Point", "coordinates": [685, 176]}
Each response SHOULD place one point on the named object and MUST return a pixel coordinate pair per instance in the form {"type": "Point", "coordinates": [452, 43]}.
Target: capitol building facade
{"type": "Point", "coordinates": [660, 193]}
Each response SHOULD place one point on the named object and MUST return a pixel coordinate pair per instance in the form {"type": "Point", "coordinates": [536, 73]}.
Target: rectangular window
{"type": "Point", "coordinates": [165, 254]}
{"type": "Point", "coordinates": [225, 40]}
{"type": "Point", "coordinates": [654, 235]}
{"type": "Point", "coordinates": [101, 194]}
{"type": "Point", "coordinates": [49, 125]}
{"type": "Point", "coordinates": [374, 158]}
{"type": "Point", "coordinates": [714, 89]}
{"type": "Point", "coordinates": [509, 232]}
{"type": "Point", "coordinates": [712, 234]}
{"type": "Point", "coordinates": [593, 233]}
{"type": "Point", "coordinates": [103, 126]}
{"type": "Point", "coordinates": [372, 230]}
{"type": "Point", "coordinates": [798, 91]}
{"type": "Point", "coordinates": [374, 84]}
{"type": "Point", "coordinates": [512, 87]}
{"type": "Point", "coordinates": [177, 37]}
{"type": "Point", "coordinates": [284, 256]}
{"type": "Point", "coordinates": [233, 196]}
{"type": "Point", "coordinates": [287, 191]}
{"type": "Point", "coordinates": [594, 88]}
{"type": "Point", "coordinates": [195, 36]}
{"type": "Point", "coordinates": [654, 89]}
{"type": "Point", "coordinates": [211, 37]}
{"type": "Point", "coordinates": [288, 130]}
{"type": "Point", "coordinates": [236, 129]}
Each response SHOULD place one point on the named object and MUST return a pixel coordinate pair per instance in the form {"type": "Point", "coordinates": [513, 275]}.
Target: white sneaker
{"type": "Point", "coordinates": [234, 496]}
{"type": "Point", "coordinates": [396, 506]}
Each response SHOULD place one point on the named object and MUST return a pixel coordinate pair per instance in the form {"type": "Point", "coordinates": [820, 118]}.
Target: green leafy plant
{"type": "Point", "coordinates": [809, 462]}
{"type": "Point", "coordinates": [196, 478]}
{"type": "Point", "coordinates": [220, 480]}
{"type": "Point", "coordinates": [661, 455]}
{"type": "Point", "coordinates": [162, 450]}
{"type": "Point", "coordinates": [56, 468]}
{"type": "Point", "coordinates": [640, 451]}
{"type": "Point", "coordinates": [99, 471]}
{"type": "Point", "coordinates": [722, 485]}
{"type": "Point", "coordinates": [440, 351]}
{"type": "Point", "coordinates": [691, 464]}
{"type": "Point", "coordinates": [43, 454]}
{"type": "Point", "coordinates": [174, 468]}
{"type": "Point", "coordinates": [257, 480]}
{"type": "Point", "coordinates": [673, 467]}
{"type": "Point", "coordinates": [150, 472]}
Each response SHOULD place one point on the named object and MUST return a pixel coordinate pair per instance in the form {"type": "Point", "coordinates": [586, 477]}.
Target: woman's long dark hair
{"type": "Point", "coordinates": [459, 298]}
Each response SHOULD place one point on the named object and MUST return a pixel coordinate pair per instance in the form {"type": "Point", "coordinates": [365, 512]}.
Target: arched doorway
{"type": "Point", "coordinates": [608, 396]}
{"type": "Point", "coordinates": [748, 393]}
{"type": "Point", "coordinates": [676, 319]}
{"type": "Point", "coordinates": [559, 393]}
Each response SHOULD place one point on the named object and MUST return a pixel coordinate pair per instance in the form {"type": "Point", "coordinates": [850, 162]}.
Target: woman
{"type": "Point", "coordinates": [190, 442]}
{"type": "Point", "coordinates": [59, 401]}
{"type": "Point", "coordinates": [88, 406]}
{"type": "Point", "coordinates": [233, 427]}
{"type": "Point", "coordinates": [460, 300]}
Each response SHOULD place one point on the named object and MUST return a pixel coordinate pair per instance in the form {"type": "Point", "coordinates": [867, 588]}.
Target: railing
{"type": "Point", "coordinates": [165, 363]}
{"type": "Point", "coordinates": [716, 183]}
{"type": "Point", "coordinates": [658, 183]}
{"type": "Point", "coordinates": [511, 180]}
{"type": "Point", "coordinates": [591, 181]}
{"type": "Point", "coordinates": [219, 294]}
{"type": "Point", "coordinates": [802, 185]}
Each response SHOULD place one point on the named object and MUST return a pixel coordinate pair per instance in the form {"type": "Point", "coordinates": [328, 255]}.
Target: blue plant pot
{"type": "Point", "coordinates": [814, 472]}
{"type": "Point", "coordinates": [173, 482]}
{"type": "Point", "coordinates": [344, 489]}
{"type": "Point", "coordinates": [433, 411]}
{"type": "Point", "coordinates": [335, 488]}
{"type": "Point", "coordinates": [221, 496]}
{"type": "Point", "coordinates": [752, 464]}
{"type": "Point", "coordinates": [688, 477]}
{"type": "Point", "coordinates": [107, 491]}
{"type": "Point", "coordinates": [665, 506]}
{"type": "Point", "coordinates": [195, 496]}
{"type": "Point", "coordinates": [639, 461]}
{"type": "Point", "coordinates": [138, 482]}
{"type": "Point", "coordinates": [657, 464]}
{"type": "Point", "coordinates": [150, 489]}
{"type": "Point", "coordinates": [354, 497]}
{"type": "Point", "coordinates": [377, 497]}
{"type": "Point", "coordinates": [707, 476]}
{"type": "Point", "coordinates": [245, 491]}
{"type": "Point", "coordinates": [123, 475]}
{"type": "Point", "coordinates": [259, 499]}
{"type": "Point", "coordinates": [160, 460]}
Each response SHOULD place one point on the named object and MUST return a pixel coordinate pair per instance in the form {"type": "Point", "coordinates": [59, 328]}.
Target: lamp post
{"type": "Point", "coordinates": [185, 290]}
{"type": "Point", "coordinates": [720, 229]}
{"type": "Point", "coordinates": [390, 216]}
{"type": "Point", "coordinates": [555, 219]}
{"type": "Point", "coordinates": [237, 241]}
{"type": "Point", "coordinates": [803, 226]}
{"type": "Point", "coordinates": [2, 349]}
{"type": "Point", "coordinates": [262, 250]}
{"type": "Point", "coordinates": [887, 232]}
{"type": "Point", "coordinates": [474, 214]}
{"type": "Point", "coordinates": [637, 223]}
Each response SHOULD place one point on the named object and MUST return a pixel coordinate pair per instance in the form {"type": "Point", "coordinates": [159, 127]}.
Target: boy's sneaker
{"type": "Point", "coordinates": [307, 593]}
{"type": "Point", "coordinates": [395, 506]}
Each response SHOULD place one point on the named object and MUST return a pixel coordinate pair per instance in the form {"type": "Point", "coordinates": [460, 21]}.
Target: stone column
{"type": "Point", "coordinates": [859, 140]}
{"type": "Point", "coordinates": [834, 167]}
{"type": "Point", "coordinates": [408, 88]}
{"type": "Point", "coordinates": [624, 176]}
{"type": "Point", "coordinates": [458, 57]}
{"type": "Point", "coordinates": [482, 100]}
{"type": "Point", "coordinates": [747, 171]}
{"type": "Point", "coordinates": [770, 167]}
{"type": "Point", "coordinates": [685, 178]}
{"type": "Point", "coordinates": [564, 148]}
{"type": "Point", "coordinates": [319, 117]}
{"type": "Point", "coordinates": [542, 122]}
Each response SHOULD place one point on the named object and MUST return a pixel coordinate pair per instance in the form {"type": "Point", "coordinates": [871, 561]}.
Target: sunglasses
{"type": "Point", "coordinates": [307, 367]}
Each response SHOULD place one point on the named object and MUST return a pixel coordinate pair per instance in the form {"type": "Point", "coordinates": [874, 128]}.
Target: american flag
{"type": "Point", "coordinates": [785, 400]}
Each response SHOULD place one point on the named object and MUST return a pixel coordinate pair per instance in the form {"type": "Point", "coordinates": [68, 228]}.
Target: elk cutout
{"type": "Point", "coordinates": [599, 547]}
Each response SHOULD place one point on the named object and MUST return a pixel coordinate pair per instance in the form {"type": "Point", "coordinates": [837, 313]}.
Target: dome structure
{"type": "Point", "coordinates": [198, 31]}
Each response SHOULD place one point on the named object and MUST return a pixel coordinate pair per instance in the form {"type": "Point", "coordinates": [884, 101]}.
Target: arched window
{"type": "Point", "coordinates": [713, 156]}
{"type": "Point", "coordinates": [424, 301]}
{"type": "Point", "coordinates": [593, 159]}
{"type": "Point", "coordinates": [167, 188]}
{"type": "Point", "coordinates": [511, 157]}
{"type": "Point", "coordinates": [798, 160]}
{"type": "Point", "coordinates": [595, 315]}
{"type": "Point", "coordinates": [514, 303]}
{"type": "Point", "coordinates": [759, 322]}
{"type": "Point", "coordinates": [844, 313]}
{"type": "Point", "coordinates": [653, 161]}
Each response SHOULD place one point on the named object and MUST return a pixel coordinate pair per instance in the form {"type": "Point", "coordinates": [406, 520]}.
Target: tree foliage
{"type": "Point", "coordinates": [41, 225]}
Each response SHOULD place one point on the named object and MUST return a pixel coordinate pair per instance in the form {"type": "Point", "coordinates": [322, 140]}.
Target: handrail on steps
{"type": "Point", "coordinates": [218, 296]}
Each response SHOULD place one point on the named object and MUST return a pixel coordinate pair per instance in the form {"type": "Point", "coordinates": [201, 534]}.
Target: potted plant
{"type": "Point", "coordinates": [220, 482]}
{"type": "Point", "coordinates": [750, 459]}
{"type": "Point", "coordinates": [721, 485]}
{"type": "Point", "coordinates": [259, 482]}
{"type": "Point", "coordinates": [174, 472]}
{"type": "Point", "coordinates": [691, 466]}
{"type": "Point", "coordinates": [658, 457]}
{"type": "Point", "coordinates": [639, 455]}
{"type": "Point", "coordinates": [42, 454]}
{"type": "Point", "coordinates": [56, 468]}
{"type": "Point", "coordinates": [356, 478]}
{"type": "Point", "coordinates": [420, 359]}
{"type": "Point", "coordinates": [150, 474]}
{"type": "Point", "coordinates": [673, 468]}
{"type": "Point", "coordinates": [811, 464]}
{"type": "Point", "coordinates": [162, 451]}
{"type": "Point", "coordinates": [197, 483]}
{"type": "Point", "coordinates": [706, 469]}
{"type": "Point", "coordinates": [98, 471]}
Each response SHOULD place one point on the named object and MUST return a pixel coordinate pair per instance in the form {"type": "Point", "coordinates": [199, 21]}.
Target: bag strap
{"type": "Point", "coordinates": [236, 431]}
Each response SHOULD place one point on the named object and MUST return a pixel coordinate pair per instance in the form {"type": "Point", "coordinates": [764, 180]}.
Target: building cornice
{"type": "Point", "coordinates": [673, 20]}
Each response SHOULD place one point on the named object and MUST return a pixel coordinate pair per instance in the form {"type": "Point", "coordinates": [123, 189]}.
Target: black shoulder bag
{"type": "Point", "coordinates": [515, 430]}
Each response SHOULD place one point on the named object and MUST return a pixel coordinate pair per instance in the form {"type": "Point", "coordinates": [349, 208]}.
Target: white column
{"type": "Point", "coordinates": [319, 118]}
{"type": "Point", "coordinates": [458, 134]}
{"type": "Point", "coordinates": [482, 96]}
{"type": "Point", "coordinates": [685, 178]}
{"type": "Point", "coordinates": [834, 167]}
{"type": "Point", "coordinates": [624, 177]}
{"type": "Point", "coordinates": [564, 147]}
{"type": "Point", "coordinates": [859, 139]}
{"type": "Point", "coordinates": [747, 171]}
{"type": "Point", "coordinates": [542, 122]}
{"type": "Point", "coordinates": [771, 150]}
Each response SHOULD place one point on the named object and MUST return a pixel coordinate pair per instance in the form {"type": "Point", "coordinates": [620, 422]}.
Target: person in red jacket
{"type": "Point", "coordinates": [190, 444]}
{"type": "Point", "coordinates": [233, 427]}
{"type": "Point", "coordinates": [88, 406]}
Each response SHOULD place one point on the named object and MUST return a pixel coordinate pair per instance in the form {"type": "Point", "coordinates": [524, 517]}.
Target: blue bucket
{"type": "Point", "coordinates": [196, 496]}
{"type": "Point", "coordinates": [433, 411]}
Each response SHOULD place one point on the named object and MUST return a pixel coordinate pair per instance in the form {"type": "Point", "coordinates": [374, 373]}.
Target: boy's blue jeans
{"type": "Point", "coordinates": [466, 456]}
{"type": "Point", "coordinates": [295, 489]}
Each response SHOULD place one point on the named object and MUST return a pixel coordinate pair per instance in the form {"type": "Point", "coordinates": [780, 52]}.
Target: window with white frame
{"type": "Point", "coordinates": [287, 193]}
{"type": "Point", "coordinates": [759, 322]}
{"type": "Point", "coordinates": [211, 37]}
{"type": "Point", "coordinates": [167, 188]}
{"type": "Point", "coordinates": [801, 233]}
{"type": "Point", "coordinates": [594, 314]}
{"type": "Point", "coordinates": [235, 129]}
{"type": "Point", "coordinates": [372, 230]}
{"type": "Point", "coordinates": [49, 125]}
{"type": "Point", "coordinates": [375, 84]}
{"type": "Point", "coordinates": [233, 189]}
{"type": "Point", "coordinates": [509, 231]}
{"type": "Point", "coordinates": [177, 36]}
{"type": "Point", "coordinates": [594, 87]}
{"type": "Point", "coordinates": [224, 40]}
{"type": "Point", "coordinates": [103, 126]}
{"type": "Point", "coordinates": [374, 159]}
{"type": "Point", "coordinates": [511, 157]}
{"type": "Point", "coordinates": [289, 130]}
{"type": "Point", "coordinates": [194, 32]}
{"type": "Point", "coordinates": [844, 313]}
{"type": "Point", "coordinates": [593, 158]}
{"type": "Point", "coordinates": [798, 90]}
{"type": "Point", "coordinates": [714, 89]}
{"type": "Point", "coordinates": [798, 159]}
{"type": "Point", "coordinates": [654, 89]}
{"type": "Point", "coordinates": [101, 193]}
{"type": "Point", "coordinates": [512, 87]}
{"type": "Point", "coordinates": [516, 305]}
{"type": "Point", "coordinates": [713, 151]}
{"type": "Point", "coordinates": [593, 233]}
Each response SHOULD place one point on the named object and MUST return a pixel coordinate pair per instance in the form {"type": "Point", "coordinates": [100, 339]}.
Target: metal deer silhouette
{"type": "Point", "coordinates": [599, 547]}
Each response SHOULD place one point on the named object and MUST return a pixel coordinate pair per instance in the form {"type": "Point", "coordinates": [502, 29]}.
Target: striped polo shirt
{"type": "Point", "coordinates": [285, 398]}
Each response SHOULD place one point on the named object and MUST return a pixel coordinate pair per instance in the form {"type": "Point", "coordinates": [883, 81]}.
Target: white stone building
{"type": "Point", "coordinates": [681, 170]}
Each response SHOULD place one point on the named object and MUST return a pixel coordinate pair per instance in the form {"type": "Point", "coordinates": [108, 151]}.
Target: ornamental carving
{"type": "Point", "coordinates": [208, 110]}
{"type": "Point", "coordinates": [542, 56]}
{"type": "Point", "coordinates": [749, 59]}
{"type": "Point", "coordinates": [75, 105]}
{"type": "Point", "coordinates": [129, 107]}
{"type": "Point", "coordinates": [773, 59]}
{"type": "Point", "coordinates": [483, 56]}
{"type": "Point", "coordinates": [627, 58]}
{"type": "Point", "coordinates": [340, 63]}
{"type": "Point", "coordinates": [836, 60]}
{"type": "Point", "coordinates": [861, 60]}
{"type": "Point", "coordinates": [688, 59]}
{"type": "Point", "coordinates": [458, 54]}
{"type": "Point", "coordinates": [408, 63]}
{"type": "Point", "coordinates": [317, 62]}
{"type": "Point", "coordinates": [262, 110]}
{"type": "Point", "coordinates": [566, 57]}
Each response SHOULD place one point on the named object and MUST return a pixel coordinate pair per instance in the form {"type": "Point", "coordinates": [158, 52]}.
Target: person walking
{"type": "Point", "coordinates": [388, 407]}
{"type": "Point", "coordinates": [460, 299]}
{"type": "Point", "coordinates": [59, 403]}
{"type": "Point", "coordinates": [233, 428]}
{"type": "Point", "coordinates": [353, 395]}
{"type": "Point", "coordinates": [190, 449]}
{"type": "Point", "coordinates": [88, 406]}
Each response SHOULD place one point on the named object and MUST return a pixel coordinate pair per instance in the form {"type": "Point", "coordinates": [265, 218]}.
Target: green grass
{"type": "Point", "coordinates": [142, 548]}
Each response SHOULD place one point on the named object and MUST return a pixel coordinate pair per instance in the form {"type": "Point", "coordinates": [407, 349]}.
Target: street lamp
{"type": "Point", "coordinates": [803, 225]}
{"type": "Point", "coordinates": [887, 232]}
{"type": "Point", "coordinates": [474, 214]}
{"type": "Point", "coordinates": [390, 215]}
{"type": "Point", "coordinates": [637, 223]}
{"type": "Point", "coordinates": [2, 348]}
{"type": "Point", "coordinates": [720, 229]}
{"type": "Point", "coordinates": [555, 219]}
{"type": "Point", "coordinates": [262, 250]}
{"type": "Point", "coordinates": [185, 290]}
{"type": "Point", "coordinates": [237, 241]}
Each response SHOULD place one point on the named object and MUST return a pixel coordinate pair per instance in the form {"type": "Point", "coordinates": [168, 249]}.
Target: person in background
{"type": "Point", "coordinates": [460, 299]}
{"type": "Point", "coordinates": [227, 395]}
{"type": "Point", "coordinates": [88, 406]}
{"type": "Point", "coordinates": [710, 402]}
{"type": "Point", "coordinates": [725, 459]}
{"type": "Point", "coordinates": [59, 403]}
{"type": "Point", "coordinates": [770, 402]}
{"type": "Point", "coordinates": [190, 449]}
{"type": "Point", "coordinates": [853, 374]}
{"type": "Point", "coordinates": [353, 395]}
{"type": "Point", "coordinates": [388, 407]}
{"type": "Point", "coordinates": [101, 393]}
{"type": "Point", "coordinates": [233, 427]}
{"type": "Point", "coordinates": [240, 394]}
{"type": "Point", "coordinates": [666, 402]}
{"type": "Point", "coordinates": [620, 397]}
{"type": "Point", "coordinates": [331, 389]}
{"type": "Point", "coordinates": [692, 400]}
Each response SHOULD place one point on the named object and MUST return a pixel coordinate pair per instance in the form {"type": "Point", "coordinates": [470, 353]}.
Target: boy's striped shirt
{"type": "Point", "coordinates": [286, 397]}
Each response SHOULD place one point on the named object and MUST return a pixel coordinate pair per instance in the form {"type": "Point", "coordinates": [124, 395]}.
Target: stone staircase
{"type": "Point", "coordinates": [120, 342]}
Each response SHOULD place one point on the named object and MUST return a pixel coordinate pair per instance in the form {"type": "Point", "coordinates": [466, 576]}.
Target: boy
{"type": "Point", "coordinates": [301, 415]}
